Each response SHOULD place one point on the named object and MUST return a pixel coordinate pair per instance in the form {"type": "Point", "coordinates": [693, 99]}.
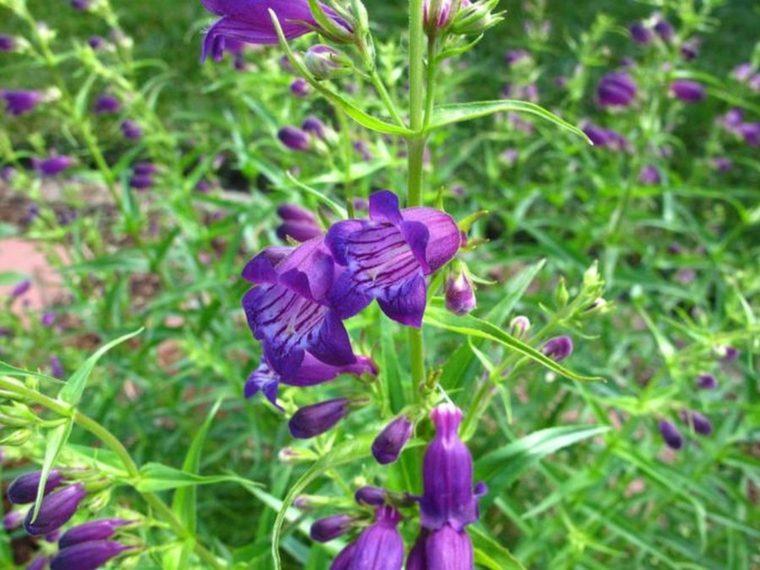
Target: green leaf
{"type": "Point", "coordinates": [471, 326]}
{"type": "Point", "coordinates": [156, 477]}
{"type": "Point", "coordinates": [490, 553]}
{"type": "Point", "coordinates": [10, 370]}
{"type": "Point", "coordinates": [74, 388]}
{"type": "Point", "coordinates": [460, 112]}
{"type": "Point", "coordinates": [56, 439]}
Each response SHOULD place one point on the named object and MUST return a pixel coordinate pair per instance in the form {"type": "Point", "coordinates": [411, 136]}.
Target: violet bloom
{"type": "Point", "coordinates": [664, 29]}
{"type": "Point", "coordinates": [640, 33]}
{"type": "Point", "coordinates": [650, 176]}
{"type": "Point", "coordinates": [19, 102]}
{"type": "Point", "coordinates": [145, 168]}
{"type": "Point", "coordinates": [290, 311]}
{"type": "Point", "coordinates": [56, 368]}
{"type": "Point", "coordinates": [343, 560]}
{"type": "Point", "coordinates": [53, 165]}
{"type": "Point", "coordinates": [372, 496]}
{"type": "Point", "coordinates": [448, 496]}
{"type": "Point", "coordinates": [7, 43]}
{"type": "Point", "coordinates": [249, 21]}
{"type": "Point", "coordinates": [86, 555]}
{"type": "Point", "coordinates": [690, 49]}
{"type": "Point", "coordinates": [616, 90]}
{"type": "Point", "coordinates": [297, 223]}
{"type": "Point", "coordinates": [39, 563]}
{"type": "Point", "coordinates": [96, 42]}
{"type": "Point", "coordinates": [300, 87]}
{"type": "Point", "coordinates": [444, 548]}
{"type": "Point", "coordinates": [106, 104]}
{"type": "Point", "coordinates": [56, 510]}
{"type": "Point", "coordinates": [459, 294]}
{"type": "Point", "coordinates": [362, 148]}
{"type": "Point", "coordinates": [388, 257]}
{"type": "Point", "coordinates": [47, 319]}
{"type": "Point", "coordinates": [314, 420]}
{"type": "Point", "coordinates": [329, 528]}
{"type": "Point", "coordinates": [730, 354]}
{"type": "Point", "coordinates": [131, 130]}
{"type": "Point", "coordinates": [379, 547]}
{"type": "Point", "coordinates": [558, 348]}
{"type": "Point", "coordinates": [311, 373]}
{"type": "Point", "coordinates": [315, 127]}
{"type": "Point", "coordinates": [389, 443]}
{"type": "Point", "coordinates": [141, 182]}
{"type": "Point", "coordinates": [89, 531]}
{"type": "Point", "coordinates": [12, 520]}
{"type": "Point", "coordinates": [605, 138]}
{"type": "Point", "coordinates": [700, 423]}
{"type": "Point", "coordinates": [687, 91]}
{"type": "Point", "coordinates": [294, 138]}
{"type": "Point", "coordinates": [442, 17]}
{"type": "Point", "coordinates": [671, 435]}
{"type": "Point", "coordinates": [750, 132]}
{"type": "Point", "coordinates": [707, 382]}
{"type": "Point", "coordinates": [21, 288]}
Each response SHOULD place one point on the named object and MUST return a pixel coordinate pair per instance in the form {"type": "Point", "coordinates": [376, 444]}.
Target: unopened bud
{"type": "Point", "coordinates": [519, 326]}
{"type": "Point", "coordinates": [16, 438]}
{"type": "Point", "coordinates": [476, 17]}
{"type": "Point", "coordinates": [325, 62]}
{"type": "Point", "coordinates": [459, 293]}
{"type": "Point", "coordinates": [561, 295]}
{"type": "Point", "coordinates": [294, 455]}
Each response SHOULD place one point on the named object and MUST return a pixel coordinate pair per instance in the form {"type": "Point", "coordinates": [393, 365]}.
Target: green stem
{"type": "Point", "coordinates": [430, 85]}
{"type": "Point", "coordinates": [118, 448]}
{"type": "Point", "coordinates": [345, 139]}
{"type": "Point", "coordinates": [379, 85]}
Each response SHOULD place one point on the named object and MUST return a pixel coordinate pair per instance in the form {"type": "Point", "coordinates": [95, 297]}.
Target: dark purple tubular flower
{"type": "Point", "coordinates": [289, 310]}
{"type": "Point", "coordinates": [141, 181]}
{"type": "Point", "coordinates": [442, 549]}
{"type": "Point", "coordinates": [39, 563]}
{"type": "Point", "coordinates": [459, 294]}
{"type": "Point", "coordinates": [12, 520]}
{"type": "Point", "coordinates": [605, 138]}
{"type": "Point", "coordinates": [300, 87]}
{"type": "Point", "coordinates": [707, 382]}
{"type": "Point", "coordinates": [249, 21]}
{"type": "Point", "coordinates": [56, 510]}
{"type": "Point", "coordinates": [87, 555]}
{"type": "Point", "coordinates": [750, 132]}
{"type": "Point", "coordinates": [671, 435]}
{"type": "Point", "coordinates": [616, 90]}
{"type": "Point", "coordinates": [294, 138]}
{"type": "Point", "coordinates": [297, 223]}
{"type": "Point", "coordinates": [89, 531]}
{"type": "Point", "coordinates": [664, 29]}
{"type": "Point", "coordinates": [388, 257]}
{"type": "Point", "coordinates": [19, 102]}
{"type": "Point", "coordinates": [650, 175]}
{"type": "Point", "coordinates": [145, 168]}
{"type": "Point", "coordinates": [640, 33]}
{"type": "Point", "coordinates": [368, 495]}
{"type": "Point", "coordinates": [56, 368]}
{"type": "Point", "coordinates": [311, 373]}
{"type": "Point", "coordinates": [558, 348]}
{"type": "Point", "coordinates": [315, 128]}
{"type": "Point", "coordinates": [53, 165]}
{"type": "Point", "coordinates": [389, 443]}
{"type": "Point", "coordinates": [21, 288]}
{"type": "Point", "coordinates": [7, 43]}
{"type": "Point", "coordinates": [131, 130]}
{"type": "Point", "coordinates": [316, 419]}
{"type": "Point", "coordinates": [448, 494]}
{"type": "Point", "coordinates": [106, 104]}
{"type": "Point", "coordinates": [343, 560]}
{"type": "Point", "coordinates": [379, 547]}
{"type": "Point", "coordinates": [699, 422]}
{"type": "Point", "coordinates": [687, 91]}
{"type": "Point", "coordinates": [329, 528]}
{"type": "Point", "coordinates": [23, 489]}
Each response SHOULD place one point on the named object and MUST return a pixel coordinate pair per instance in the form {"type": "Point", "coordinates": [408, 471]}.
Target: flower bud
{"type": "Point", "coordinates": [294, 138]}
{"type": "Point", "coordinates": [12, 520]}
{"type": "Point", "coordinates": [300, 87]}
{"type": "Point", "coordinates": [687, 91]}
{"type": "Point", "coordinates": [459, 293]}
{"type": "Point", "coordinates": [450, 549]}
{"type": "Point", "coordinates": [368, 495]}
{"type": "Point", "coordinates": [20, 102]}
{"type": "Point", "coordinates": [131, 130]}
{"type": "Point", "coordinates": [664, 29]}
{"type": "Point", "coordinates": [314, 420]}
{"type": "Point", "coordinates": [329, 528]}
{"type": "Point", "coordinates": [106, 104]}
{"type": "Point", "coordinates": [315, 128]}
{"type": "Point", "coordinates": [16, 438]}
{"type": "Point", "coordinates": [707, 382]}
{"type": "Point", "coordinates": [558, 348]}
{"type": "Point", "coordinates": [616, 90]}
{"type": "Point", "coordinates": [650, 176]}
{"type": "Point", "coordinates": [56, 368]}
{"type": "Point", "coordinates": [56, 510]}
{"type": "Point", "coordinates": [389, 443]}
{"type": "Point", "coordinates": [7, 43]}
{"type": "Point", "coordinates": [295, 455]}
{"type": "Point", "coordinates": [52, 166]}
{"type": "Point", "coordinates": [640, 33]}
{"type": "Point", "coordinates": [519, 326]}
{"type": "Point", "coordinates": [380, 546]}
{"type": "Point", "coordinates": [23, 489]}
{"type": "Point", "coordinates": [475, 17]}
{"type": "Point", "coordinates": [325, 62]}
{"type": "Point", "coordinates": [343, 560]}
{"type": "Point", "coordinates": [86, 555]}
{"type": "Point", "coordinates": [39, 563]}
{"type": "Point", "coordinates": [437, 14]}
{"type": "Point", "coordinates": [700, 423]}
{"type": "Point", "coordinates": [671, 435]}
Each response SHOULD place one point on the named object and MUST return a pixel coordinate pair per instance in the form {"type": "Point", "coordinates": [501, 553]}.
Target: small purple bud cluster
{"type": "Point", "coordinates": [616, 90]}
{"type": "Point", "coordinates": [298, 224]}
{"type": "Point", "coordinates": [695, 420]}
{"type": "Point", "coordinates": [20, 102]}
{"type": "Point", "coordinates": [53, 165]}
{"type": "Point", "coordinates": [143, 175]}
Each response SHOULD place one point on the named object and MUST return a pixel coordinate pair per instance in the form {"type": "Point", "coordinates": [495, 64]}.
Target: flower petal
{"type": "Point", "coordinates": [347, 299]}
{"type": "Point", "coordinates": [264, 380]}
{"type": "Point", "coordinates": [330, 343]}
{"type": "Point", "coordinates": [406, 303]}
{"type": "Point", "coordinates": [445, 237]}
{"type": "Point", "coordinates": [261, 269]}
{"type": "Point", "coordinates": [337, 239]}
{"type": "Point", "coordinates": [384, 207]}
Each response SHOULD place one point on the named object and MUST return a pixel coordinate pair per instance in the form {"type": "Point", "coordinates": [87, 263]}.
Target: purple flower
{"type": "Point", "coordinates": [687, 91]}
{"type": "Point", "coordinates": [442, 549]}
{"type": "Point", "coordinates": [379, 547]}
{"type": "Point", "coordinates": [21, 288]}
{"type": "Point", "coordinates": [314, 420]}
{"type": "Point", "coordinates": [56, 510]}
{"type": "Point", "coordinates": [372, 496]}
{"type": "Point", "coordinates": [329, 528]}
{"type": "Point", "coordinates": [39, 563]}
{"type": "Point", "coordinates": [141, 181]}
{"type": "Point", "coordinates": [343, 560]}
{"type": "Point", "coordinates": [80, 5]}
{"type": "Point", "coordinates": [47, 319]}
{"type": "Point", "coordinates": [750, 132]}
{"type": "Point", "coordinates": [19, 102]}
{"type": "Point", "coordinates": [670, 434]}
{"type": "Point", "coordinates": [362, 148]}
{"type": "Point", "coordinates": [389, 443]}
{"type": "Point", "coordinates": [249, 21]}
{"type": "Point", "coordinates": [315, 127]}
{"type": "Point", "coordinates": [106, 104]}
{"type": "Point", "coordinates": [145, 168]}
{"type": "Point", "coordinates": [89, 531]}
{"type": "Point", "coordinates": [23, 489]}
{"type": "Point", "coordinates": [605, 138]}
{"type": "Point", "coordinates": [515, 56]}
{"type": "Point", "coordinates": [700, 423]}
{"type": "Point", "coordinates": [664, 29]}
{"type": "Point", "coordinates": [707, 382]}
{"type": "Point", "coordinates": [7, 43]}
{"type": "Point", "coordinates": [388, 257]}
{"type": "Point", "coordinates": [640, 33]}
{"type": "Point", "coordinates": [56, 368]}
{"type": "Point", "coordinates": [297, 223]}
{"type": "Point", "coordinates": [96, 42]}
{"type": "Point", "coordinates": [289, 310]}
{"type": "Point", "coordinates": [325, 62]}
{"type": "Point", "coordinates": [558, 348]}
{"type": "Point", "coordinates": [650, 176]}
{"type": "Point", "coordinates": [12, 520]}
{"type": "Point", "coordinates": [730, 354]}
{"type": "Point", "coordinates": [86, 555]}
{"type": "Point", "coordinates": [616, 90]}
{"type": "Point", "coordinates": [311, 373]}
{"type": "Point", "coordinates": [448, 496]}
{"type": "Point", "coordinates": [131, 130]}
{"type": "Point", "coordinates": [300, 87]}
{"type": "Point", "coordinates": [442, 17]}
{"type": "Point", "coordinates": [294, 138]}
{"type": "Point", "coordinates": [53, 165]}
{"type": "Point", "coordinates": [690, 49]}
{"type": "Point", "coordinates": [459, 294]}
{"type": "Point", "coordinates": [743, 71]}
{"type": "Point", "coordinates": [722, 163]}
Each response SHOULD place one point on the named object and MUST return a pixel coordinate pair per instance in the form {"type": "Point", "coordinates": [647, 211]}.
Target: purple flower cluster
{"type": "Point", "coordinates": [733, 122]}
{"type": "Point", "coordinates": [19, 102]}
{"type": "Point", "coordinates": [695, 420]}
{"type": "Point", "coordinates": [143, 175]}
